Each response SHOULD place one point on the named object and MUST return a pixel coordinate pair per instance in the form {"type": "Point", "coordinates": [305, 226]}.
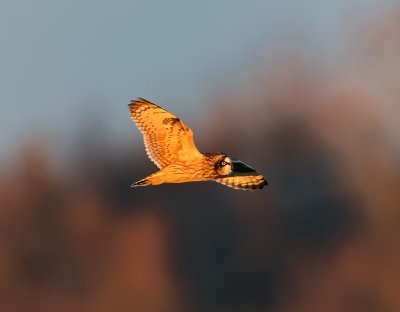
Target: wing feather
{"type": "Point", "coordinates": [166, 138]}
{"type": "Point", "coordinates": [243, 177]}
{"type": "Point", "coordinates": [250, 182]}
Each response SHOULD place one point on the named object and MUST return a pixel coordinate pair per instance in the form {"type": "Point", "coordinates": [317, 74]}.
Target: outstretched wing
{"type": "Point", "coordinates": [166, 138]}
{"type": "Point", "coordinates": [243, 177]}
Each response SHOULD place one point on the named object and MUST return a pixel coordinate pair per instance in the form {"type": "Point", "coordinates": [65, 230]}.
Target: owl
{"type": "Point", "coordinates": [169, 144]}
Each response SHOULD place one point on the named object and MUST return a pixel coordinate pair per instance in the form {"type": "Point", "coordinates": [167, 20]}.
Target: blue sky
{"type": "Point", "coordinates": [61, 61]}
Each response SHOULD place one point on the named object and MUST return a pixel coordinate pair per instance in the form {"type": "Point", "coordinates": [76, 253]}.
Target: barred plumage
{"type": "Point", "coordinates": [169, 144]}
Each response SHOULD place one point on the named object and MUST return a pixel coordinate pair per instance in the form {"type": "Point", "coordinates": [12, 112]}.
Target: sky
{"type": "Point", "coordinates": [62, 62]}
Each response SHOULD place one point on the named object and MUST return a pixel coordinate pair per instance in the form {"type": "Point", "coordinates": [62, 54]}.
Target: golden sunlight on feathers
{"type": "Point", "coordinates": [169, 144]}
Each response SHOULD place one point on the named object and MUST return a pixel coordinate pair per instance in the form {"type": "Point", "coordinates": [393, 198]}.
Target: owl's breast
{"type": "Point", "coordinates": [186, 172]}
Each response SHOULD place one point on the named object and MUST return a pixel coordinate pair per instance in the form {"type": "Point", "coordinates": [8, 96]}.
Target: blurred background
{"type": "Point", "coordinates": [307, 92]}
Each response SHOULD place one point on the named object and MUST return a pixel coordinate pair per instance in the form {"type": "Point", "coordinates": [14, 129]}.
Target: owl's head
{"type": "Point", "coordinates": [223, 165]}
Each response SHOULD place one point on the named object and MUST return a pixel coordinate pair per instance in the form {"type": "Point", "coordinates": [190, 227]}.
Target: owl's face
{"type": "Point", "coordinates": [223, 165]}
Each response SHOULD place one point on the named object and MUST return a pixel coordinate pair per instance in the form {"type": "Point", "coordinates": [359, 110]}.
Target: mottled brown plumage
{"type": "Point", "coordinates": [169, 144]}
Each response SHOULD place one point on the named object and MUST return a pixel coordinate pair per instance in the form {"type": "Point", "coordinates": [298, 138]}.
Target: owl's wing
{"type": "Point", "coordinates": [166, 138]}
{"type": "Point", "coordinates": [243, 177]}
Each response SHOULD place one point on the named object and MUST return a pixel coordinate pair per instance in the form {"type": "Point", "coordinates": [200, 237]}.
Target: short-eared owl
{"type": "Point", "coordinates": [169, 144]}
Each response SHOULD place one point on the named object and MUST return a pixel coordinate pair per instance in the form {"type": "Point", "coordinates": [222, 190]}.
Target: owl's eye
{"type": "Point", "coordinates": [223, 163]}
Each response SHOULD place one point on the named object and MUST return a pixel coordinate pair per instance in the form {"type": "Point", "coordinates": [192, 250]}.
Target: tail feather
{"type": "Point", "coordinates": [143, 182]}
{"type": "Point", "coordinates": [153, 179]}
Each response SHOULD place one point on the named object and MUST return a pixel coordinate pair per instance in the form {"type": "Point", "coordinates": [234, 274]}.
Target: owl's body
{"type": "Point", "coordinates": [169, 144]}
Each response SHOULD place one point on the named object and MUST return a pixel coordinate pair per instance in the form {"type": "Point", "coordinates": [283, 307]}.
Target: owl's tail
{"type": "Point", "coordinates": [143, 182]}
{"type": "Point", "coordinates": [154, 179]}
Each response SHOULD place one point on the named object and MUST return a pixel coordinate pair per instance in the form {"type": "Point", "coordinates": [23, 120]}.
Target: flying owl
{"type": "Point", "coordinates": [169, 144]}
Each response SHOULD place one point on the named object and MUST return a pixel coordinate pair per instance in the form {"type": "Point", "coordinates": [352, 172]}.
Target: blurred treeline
{"type": "Point", "coordinates": [323, 236]}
